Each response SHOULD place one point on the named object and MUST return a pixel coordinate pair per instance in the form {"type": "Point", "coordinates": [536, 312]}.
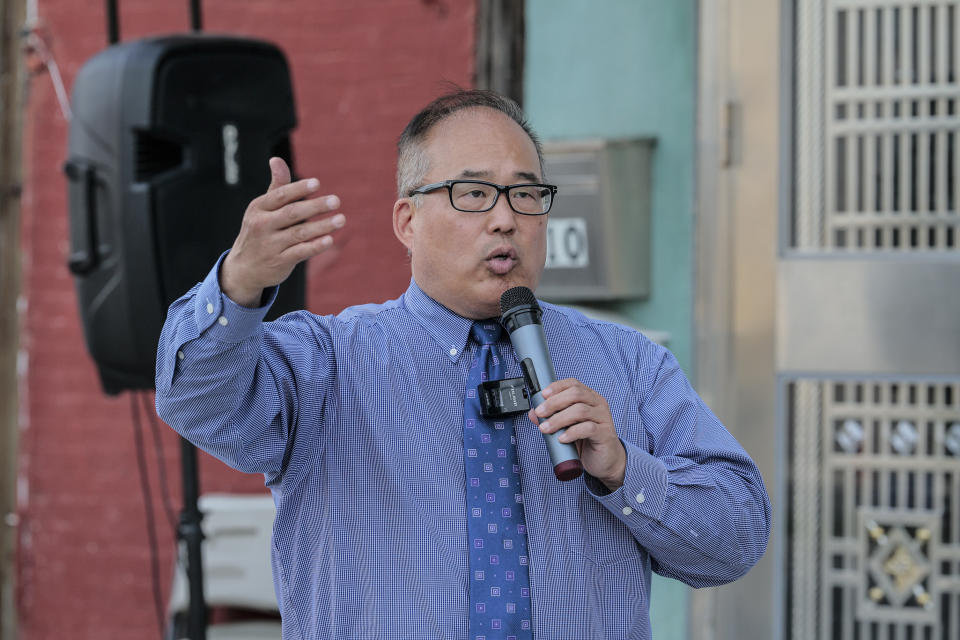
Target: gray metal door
{"type": "Point", "coordinates": [868, 331]}
{"type": "Point", "coordinates": [859, 331]}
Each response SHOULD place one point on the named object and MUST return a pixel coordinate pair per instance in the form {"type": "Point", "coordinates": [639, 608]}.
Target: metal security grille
{"type": "Point", "coordinates": [877, 123]}
{"type": "Point", "coordinates": [874, 510]}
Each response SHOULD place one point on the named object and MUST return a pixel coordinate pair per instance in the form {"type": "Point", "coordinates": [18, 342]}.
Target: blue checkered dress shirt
{"type": "Point", "coordinates": [356, 422]}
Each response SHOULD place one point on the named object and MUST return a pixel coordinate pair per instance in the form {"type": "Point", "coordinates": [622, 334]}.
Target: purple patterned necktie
{"type": "Point", "coordinates": [499, 579]}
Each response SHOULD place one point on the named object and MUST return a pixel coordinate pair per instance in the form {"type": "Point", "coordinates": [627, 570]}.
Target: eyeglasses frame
{"type": "Point", "coordinates": [448, 185]}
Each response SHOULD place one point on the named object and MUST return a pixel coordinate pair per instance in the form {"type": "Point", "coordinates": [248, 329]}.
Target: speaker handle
{"type": "Point", "coordinates": [83, 258]}
{"type": "Point", "coordinates": [113, 20]}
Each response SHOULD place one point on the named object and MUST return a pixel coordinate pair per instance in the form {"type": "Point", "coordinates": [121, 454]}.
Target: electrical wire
{"type": "Point", "coordinates": [148, 508]}
{"type": "Point", "coordinates": [35, 44]}
{"type": "Point", "coordinates": [38, 45]}
{"type": "Point", "coordinates": [161, 462]}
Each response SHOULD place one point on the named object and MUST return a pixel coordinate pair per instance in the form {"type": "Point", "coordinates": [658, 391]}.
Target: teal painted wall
{"type": "Point", "coordinates": [618, 68]}
{"type": "Point", "coordinates": [628, 68]}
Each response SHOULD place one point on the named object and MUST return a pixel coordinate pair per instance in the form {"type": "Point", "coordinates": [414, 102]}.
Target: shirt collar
{"type": "Point", "coordinates": [449, 330]}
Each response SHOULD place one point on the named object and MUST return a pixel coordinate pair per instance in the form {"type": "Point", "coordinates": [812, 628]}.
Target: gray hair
{"type": "Point", "coordinates": [412, 161]}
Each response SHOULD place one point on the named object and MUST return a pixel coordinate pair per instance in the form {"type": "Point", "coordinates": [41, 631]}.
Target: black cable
{"type": "Point", "coordinates": [196, 19]}
{"type": "Point", "coordinates": [113, 22]}
{"type": "Point", "coordinates": [148, 508]}
{"type": "Point", "coordinates": [161, 464]}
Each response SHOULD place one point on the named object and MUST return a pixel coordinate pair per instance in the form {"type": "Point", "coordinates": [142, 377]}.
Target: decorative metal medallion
{"type": "Point", "coordinates": [895, 550]}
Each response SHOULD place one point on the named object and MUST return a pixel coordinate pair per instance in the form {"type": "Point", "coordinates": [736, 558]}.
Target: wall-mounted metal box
{"type": "Point", "coordinates": [598, 235]}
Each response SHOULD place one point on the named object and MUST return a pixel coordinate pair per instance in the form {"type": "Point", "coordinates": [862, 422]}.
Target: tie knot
{"type": "Point", "coordinates": [486, 332]}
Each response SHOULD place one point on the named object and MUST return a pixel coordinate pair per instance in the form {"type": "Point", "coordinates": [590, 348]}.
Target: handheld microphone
{"type": "Point", "coordinates": [520, 316]}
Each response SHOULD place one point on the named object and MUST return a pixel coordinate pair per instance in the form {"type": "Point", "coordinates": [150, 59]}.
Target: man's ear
{"type": "Point", "coordinates": [403, 212]}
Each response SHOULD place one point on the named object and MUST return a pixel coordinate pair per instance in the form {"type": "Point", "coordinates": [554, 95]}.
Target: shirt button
{"type": "Point", "coordinates": [209, 307]}
{"type": "Point", "coordinates": [180, 355]}
{"type": "Point", "coordinates": [453, 351]}
{"type": "Point", "coordinates": [627, 511]}
{"type": "Point", "coordinates": [640, 498]}
{"type": "Point", "coordinates": [223, 321]}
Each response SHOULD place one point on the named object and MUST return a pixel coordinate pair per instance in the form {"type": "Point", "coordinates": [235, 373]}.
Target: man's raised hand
{"type": "Point", "coordinates": [280, 229]}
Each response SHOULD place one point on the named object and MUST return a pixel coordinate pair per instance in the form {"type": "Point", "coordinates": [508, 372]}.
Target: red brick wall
{"type": "Point", "coordinates": [361, 68]}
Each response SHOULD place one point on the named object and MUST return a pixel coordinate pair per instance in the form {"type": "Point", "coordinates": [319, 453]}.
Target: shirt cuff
{"type": "Point", "coordinates": [221, 318]}
{"type": "Point", "coordinates": [644, 490]}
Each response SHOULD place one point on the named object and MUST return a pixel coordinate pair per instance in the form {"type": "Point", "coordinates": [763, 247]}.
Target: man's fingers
{"type": "Point", "coordinates": [564, 395]}
{"type": "Point", "coordinates": [305, 250]}
{"type": "Point", "coordinates": [309, 231]}
{"type": "Point", "coordinates": [297, 212]}
{"type": "Point", "coordinates": [279, 173]}
{"type": "Point", "coordinates": [282, 191]}
{"type": "Point", "coordinates": [534, 418]}
{"type": "Point", "coordinates": [560, 385]}
{"type": "Point", "coordinates": [579, 431]}
{"type": "Point", "coordinates": [284, 194]}
{"type": "Point", "coordinates": [569, 416]}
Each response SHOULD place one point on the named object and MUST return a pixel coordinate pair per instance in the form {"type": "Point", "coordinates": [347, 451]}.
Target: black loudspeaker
{"type": "Point", "coordinates": [169, 142]}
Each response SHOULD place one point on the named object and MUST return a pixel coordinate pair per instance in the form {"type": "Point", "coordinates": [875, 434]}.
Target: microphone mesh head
{"type": "Point", "coordinates": [517, 296]}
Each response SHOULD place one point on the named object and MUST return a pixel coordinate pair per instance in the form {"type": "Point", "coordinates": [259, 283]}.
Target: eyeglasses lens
{"type": "Point", "coordinates": [470, 196]}
{"type": "Point", "coordinates": [529, 199]}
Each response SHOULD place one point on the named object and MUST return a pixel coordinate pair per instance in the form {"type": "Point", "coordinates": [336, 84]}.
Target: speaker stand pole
{"type": "Point", "coordinates": [190, 535]}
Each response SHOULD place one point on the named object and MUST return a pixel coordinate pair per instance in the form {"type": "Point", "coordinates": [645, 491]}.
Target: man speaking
{"type": "Point", "coordinates": [410, 505]}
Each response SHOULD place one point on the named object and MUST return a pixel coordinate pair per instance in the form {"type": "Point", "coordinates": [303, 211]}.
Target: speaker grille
{"type": "Point", "coordinates": [155, 155]}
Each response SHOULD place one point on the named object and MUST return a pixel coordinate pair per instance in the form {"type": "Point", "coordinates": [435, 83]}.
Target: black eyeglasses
{"type": "Point", "coordinates": [477, 196]}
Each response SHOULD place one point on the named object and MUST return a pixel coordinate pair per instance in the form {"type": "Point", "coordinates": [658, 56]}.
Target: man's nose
{"type": "Point", "coordinates": [501, 219]}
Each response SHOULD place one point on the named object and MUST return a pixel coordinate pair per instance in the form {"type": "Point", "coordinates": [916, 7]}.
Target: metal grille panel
{"type": "Point", "coordinates": [874, 510]}
{"type": "Point", "coordinates": [877, 126]}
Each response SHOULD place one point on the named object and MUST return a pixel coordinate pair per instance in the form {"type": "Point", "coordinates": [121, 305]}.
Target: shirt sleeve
{"type": "Point", "coordinates": [229, 382]}
{"type": "Point", "coordinates": [695, 500]}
